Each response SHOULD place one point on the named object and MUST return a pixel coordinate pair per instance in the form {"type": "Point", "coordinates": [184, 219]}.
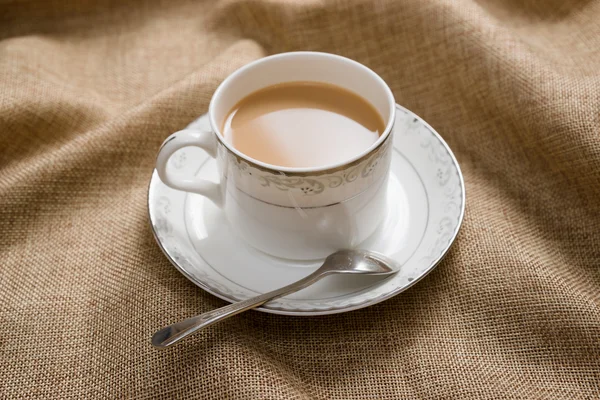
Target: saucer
{"type": "Point", "coordinates": [426, 203]}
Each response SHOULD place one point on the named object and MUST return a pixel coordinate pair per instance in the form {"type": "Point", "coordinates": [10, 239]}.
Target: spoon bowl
{"type": "Point", "coordinates": [358, 262]}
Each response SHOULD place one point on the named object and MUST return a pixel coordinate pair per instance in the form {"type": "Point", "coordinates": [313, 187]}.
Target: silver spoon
{"type": "Point", "coordinates": [340, 262]}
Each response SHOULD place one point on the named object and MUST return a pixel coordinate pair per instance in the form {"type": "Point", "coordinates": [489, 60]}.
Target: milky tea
{"type": "Point", "coordinates": [302, 124]}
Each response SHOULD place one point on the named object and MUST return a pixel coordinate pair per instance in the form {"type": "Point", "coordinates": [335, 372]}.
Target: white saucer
{"type": "Point", "coordinates": [426, 206]}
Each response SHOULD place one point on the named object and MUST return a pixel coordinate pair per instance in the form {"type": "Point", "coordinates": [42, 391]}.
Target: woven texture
{"type": "Point", "coordinates": [88, 91]}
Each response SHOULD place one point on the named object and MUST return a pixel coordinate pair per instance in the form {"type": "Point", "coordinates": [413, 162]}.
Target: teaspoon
{"type": "Point", "coordinates": [340, 262]}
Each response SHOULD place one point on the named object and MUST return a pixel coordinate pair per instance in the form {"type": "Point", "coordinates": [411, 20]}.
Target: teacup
{"type": "Point", "coordinates": [294, 213]}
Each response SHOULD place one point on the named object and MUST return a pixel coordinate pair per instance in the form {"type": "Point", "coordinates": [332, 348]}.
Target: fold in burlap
{"type": "Point", "coordinates": [88, 91]}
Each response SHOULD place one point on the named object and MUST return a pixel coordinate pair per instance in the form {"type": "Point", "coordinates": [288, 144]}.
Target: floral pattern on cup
{"type": "Point", "coordinates": [363, 173]}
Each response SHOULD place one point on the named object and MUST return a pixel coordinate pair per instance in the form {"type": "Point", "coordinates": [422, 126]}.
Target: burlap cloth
{"type": "Point", "coordinates": [88, 91]}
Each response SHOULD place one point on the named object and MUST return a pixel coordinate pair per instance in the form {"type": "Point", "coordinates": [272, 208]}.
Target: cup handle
{"type": "Point", "coordinates": [179, 140]}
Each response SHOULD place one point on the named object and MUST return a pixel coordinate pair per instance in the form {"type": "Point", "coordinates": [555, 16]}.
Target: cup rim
{"type": "Point", "coordinates": [303, 170]}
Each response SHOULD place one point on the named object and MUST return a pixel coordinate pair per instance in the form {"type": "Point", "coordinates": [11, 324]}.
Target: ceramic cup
{"type": "Point", "coordinates": [294, 213]}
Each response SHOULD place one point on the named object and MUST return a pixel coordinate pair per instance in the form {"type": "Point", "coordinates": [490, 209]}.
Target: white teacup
{"type": "Point", "coordinates": [295, 213]}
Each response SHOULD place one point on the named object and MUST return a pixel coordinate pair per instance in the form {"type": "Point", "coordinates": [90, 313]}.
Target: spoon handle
{"type": "Point", "coordinates": [174, 333]}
